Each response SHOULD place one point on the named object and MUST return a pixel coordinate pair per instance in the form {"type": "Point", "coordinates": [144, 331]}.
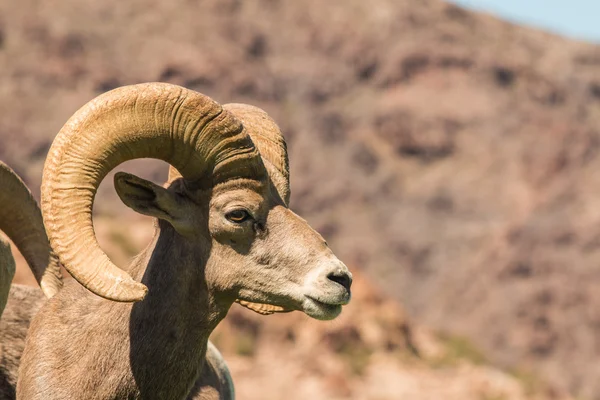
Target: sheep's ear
{"type": "Point", "coordinates": [147, 198]}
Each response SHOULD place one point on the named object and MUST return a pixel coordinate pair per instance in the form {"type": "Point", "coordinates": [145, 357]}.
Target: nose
{"type": "Point", "coordinates": [342, 278]}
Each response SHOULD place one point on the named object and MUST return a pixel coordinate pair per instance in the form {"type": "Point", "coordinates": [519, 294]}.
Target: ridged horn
{"type": "Point", "coordinates": [21, 221]}
{"type": "Point", "coordinates": [154, 120]}
{"type": "Point", "coordinates": [270, 142]}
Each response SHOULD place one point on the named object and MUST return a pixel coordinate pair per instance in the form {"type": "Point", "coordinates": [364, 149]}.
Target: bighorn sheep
{"type": "Point", "coordinates": [223, 232]}
{"type": "Point", "coordinates": [21, 218]}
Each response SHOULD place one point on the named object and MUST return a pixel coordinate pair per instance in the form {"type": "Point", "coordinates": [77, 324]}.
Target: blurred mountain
{"type": "Point", "coordinates": [451, 155]}
{"type": "Point", "coordinates": [373, 351]}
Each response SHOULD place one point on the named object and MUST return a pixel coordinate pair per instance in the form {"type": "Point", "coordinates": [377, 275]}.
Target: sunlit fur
{"type": "Point", "coordinates": [23, 304]}
{"type": "Point", "coordinates": [196, 266]}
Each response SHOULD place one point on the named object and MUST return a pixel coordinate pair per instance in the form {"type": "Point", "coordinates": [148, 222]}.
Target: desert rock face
{"type": "Point", "coordinates": [373, 351]}
{"type": "Point", "coordinates": [450, 155]}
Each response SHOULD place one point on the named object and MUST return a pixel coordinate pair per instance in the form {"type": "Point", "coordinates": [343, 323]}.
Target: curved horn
{"type": "Point", "coordinates": [21, 220]}
{"type": "Point", "coordinates": [155, 120]}
{"type": "Point", "coordinates": [270, 142]}
{"type": "Point", "coordinates": [267, 137]}
{"type": "Point", "coordinates": [7, 271]}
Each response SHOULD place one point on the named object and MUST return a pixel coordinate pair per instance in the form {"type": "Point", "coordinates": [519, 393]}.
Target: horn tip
{"type": "Point", "coordinates": [136, 292]}
{"type": "Point", "coordinates": [124, 292]}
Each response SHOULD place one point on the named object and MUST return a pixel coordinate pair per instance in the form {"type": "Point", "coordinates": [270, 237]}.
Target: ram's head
{"type": "Point", "coordinates": [227, 199]}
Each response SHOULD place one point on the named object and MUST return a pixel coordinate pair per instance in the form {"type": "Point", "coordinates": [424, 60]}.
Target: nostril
{"type": "Point", "coordinates": [342, 279]}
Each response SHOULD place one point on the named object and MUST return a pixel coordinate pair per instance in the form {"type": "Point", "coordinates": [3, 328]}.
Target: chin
{"type": "Point", "coordinates": [321, 311]}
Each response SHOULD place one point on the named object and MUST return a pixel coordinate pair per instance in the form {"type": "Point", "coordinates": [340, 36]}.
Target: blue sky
{"type": "Point", "coordinates": [575, 18]}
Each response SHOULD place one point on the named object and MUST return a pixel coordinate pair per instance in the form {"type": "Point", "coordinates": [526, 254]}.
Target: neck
{"type": "Point", "coordinates": [169, 329]}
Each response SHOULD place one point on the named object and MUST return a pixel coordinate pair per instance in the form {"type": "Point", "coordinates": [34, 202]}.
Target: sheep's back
{"type": "Point", "coordinates": [23, 302]}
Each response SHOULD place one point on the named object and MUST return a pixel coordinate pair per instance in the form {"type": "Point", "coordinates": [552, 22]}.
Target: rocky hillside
{"type": "Point", "coordinates": [373, 351]}
{"type": "Point", "coordinates": [451, 155]}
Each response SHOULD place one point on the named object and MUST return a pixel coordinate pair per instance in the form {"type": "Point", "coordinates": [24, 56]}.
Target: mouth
{"type": "Point", "coordinates": [318, 309]}
{"type": "Point", "coordinates": [312, 307]}
{"type": "Point", "coordinates": [319, 304]}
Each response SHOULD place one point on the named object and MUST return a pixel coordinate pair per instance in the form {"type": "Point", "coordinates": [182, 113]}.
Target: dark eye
{"type": "Point", "coordinates": [237, 216]}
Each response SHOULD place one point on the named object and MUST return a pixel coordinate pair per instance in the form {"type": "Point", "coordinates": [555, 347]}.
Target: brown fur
{"type": "Point", "coordinates": [81, 346]}
{"type": "Point", "coordinates": [23, 304]}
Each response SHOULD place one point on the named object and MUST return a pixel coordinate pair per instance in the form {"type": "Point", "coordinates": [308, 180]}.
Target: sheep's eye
{"type": "Point", "coordinates": [237, 216]}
